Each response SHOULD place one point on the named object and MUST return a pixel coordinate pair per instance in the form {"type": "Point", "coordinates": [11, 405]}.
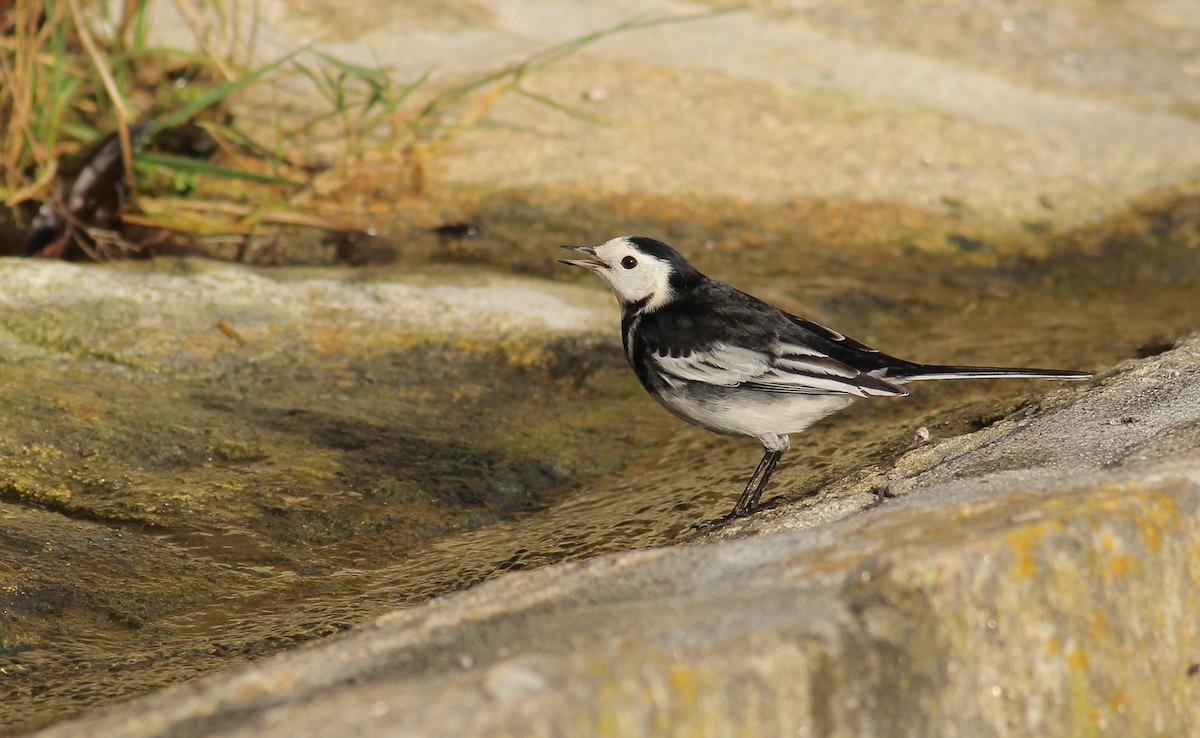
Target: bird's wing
{"type": "Point", "coordinates": [783, 367]}
{"type": "Point", "coordinates": [720, 336]}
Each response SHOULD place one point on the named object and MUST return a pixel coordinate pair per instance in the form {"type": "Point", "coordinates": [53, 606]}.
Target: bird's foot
{"type": "Point", "coordinates": [721, 522]}
{"type": "Point", "coordinates": [735, 513]}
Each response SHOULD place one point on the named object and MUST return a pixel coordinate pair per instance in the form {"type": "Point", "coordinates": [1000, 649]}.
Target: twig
{"type": "Point", "coordinates": [110, 84]}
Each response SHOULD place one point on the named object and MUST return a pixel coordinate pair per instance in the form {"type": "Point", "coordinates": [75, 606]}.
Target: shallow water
{"type": "Point", "coordinates": [101, 605]}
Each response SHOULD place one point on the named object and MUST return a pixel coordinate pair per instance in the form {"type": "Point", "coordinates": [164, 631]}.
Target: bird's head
{"type": "Point", "coordinates": [641, 271]}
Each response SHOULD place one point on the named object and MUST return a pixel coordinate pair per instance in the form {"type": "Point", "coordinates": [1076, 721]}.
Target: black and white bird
{"type": "Point", "coordinates": [733, 364]}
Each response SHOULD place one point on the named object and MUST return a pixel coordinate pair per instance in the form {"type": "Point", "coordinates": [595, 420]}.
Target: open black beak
{"type": "Point", "coordinates": [593, 263]}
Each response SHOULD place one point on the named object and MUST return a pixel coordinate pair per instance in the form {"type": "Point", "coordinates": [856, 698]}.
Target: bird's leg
{"type": "Point", "coordinates": [748, 502]}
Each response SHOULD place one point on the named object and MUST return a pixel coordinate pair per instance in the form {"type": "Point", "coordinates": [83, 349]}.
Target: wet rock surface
{"type": "Point", "coordinates": [189, 446]}
{"type": "Point", "coordinates": [1038, 578]}
{"type": "Point", "coordinates": [203, 464]}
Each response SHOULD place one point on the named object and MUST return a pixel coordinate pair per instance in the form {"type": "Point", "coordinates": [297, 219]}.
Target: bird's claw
{"type": "Point", "coordinates": [717, 523]}
{"type": "Point", "coordinates": [735, 513]}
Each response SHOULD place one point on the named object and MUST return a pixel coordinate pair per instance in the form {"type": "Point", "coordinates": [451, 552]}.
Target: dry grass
{"type": "Point", "coordinates": [75, 71]}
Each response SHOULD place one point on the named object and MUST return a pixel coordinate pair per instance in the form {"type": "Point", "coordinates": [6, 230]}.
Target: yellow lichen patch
{"type": "Point", "coordinates": [673, 697]}
{"type": "Point", "coordinates": [527, 354]}
{"type": "Point", "coordinates": [1023, 542]}
{"type": "Point", "coordinates": [41, 451]}
{"type": "Point", "coordinates": [1151, 532]}
{"type": "Point", "coordinates": [1153, 510]}
{"type": "Point", "coordinates": [1099, 628]}
{"type": "Point", "coordinates": [1081, 694]}
{"type": "Point", "coordinates": [56, 496]}
{"type": "Point", "coordinates": [1116, 700]}
{"type": "Point", "coordinates": [1053, 646]}
{"type": "Point", "coordinates": [1158, 512]}
{"type": "Point", "coordinates": [1123, 565]}
{"type": "Point", "coordinates": [683, 683]}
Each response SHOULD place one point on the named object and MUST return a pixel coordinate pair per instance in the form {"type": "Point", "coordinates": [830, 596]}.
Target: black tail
{"type": "Point", "coordinates": [919, 372]}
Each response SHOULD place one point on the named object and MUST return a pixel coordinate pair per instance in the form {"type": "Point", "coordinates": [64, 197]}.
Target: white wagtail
{"type": "Point", "coordinates": [733, 364]}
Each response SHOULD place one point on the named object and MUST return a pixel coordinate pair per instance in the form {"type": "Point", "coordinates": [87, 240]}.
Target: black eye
{"type": "Point", "coordinates": [629, 262]}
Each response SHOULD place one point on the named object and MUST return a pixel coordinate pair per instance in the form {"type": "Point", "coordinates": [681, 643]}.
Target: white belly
{"type": "Point", "coordinates": [768, 416]}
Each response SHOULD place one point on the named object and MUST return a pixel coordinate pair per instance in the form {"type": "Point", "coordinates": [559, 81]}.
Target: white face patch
{"type": "Point", "coordinates": [634, 276]}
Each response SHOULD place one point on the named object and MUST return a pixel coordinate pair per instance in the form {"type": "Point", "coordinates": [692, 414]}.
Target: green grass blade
{"type": "Point", "coordinates": [139, 25]}
{"type": "Point", "coordinates": [58, 93]}
{"type": "Point", "coordinates": [80, 132]}
{"type": "Point", "coordinates": [390, 104]}
{"type": "Point", "coordinates": [542, 59]}
{"type": "Point", "coordinates": [208, 169]}
{"type": "Point", "coordinates": [378, 77]}
{"type": "Point", "coordinates": [318, 83]}
{"type": "Point", "coordinates": [555, 53]}
{"type": "Point", "coordinates": [159, 53]}
{"type": "Point", "coordinates": [232, 135]}
{"type": "Point", "coordinates": [551, 103]}
{"type": "Point", "coordinates": [217, 94]}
